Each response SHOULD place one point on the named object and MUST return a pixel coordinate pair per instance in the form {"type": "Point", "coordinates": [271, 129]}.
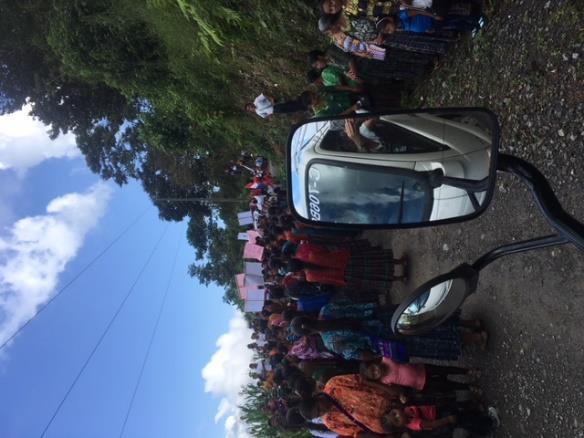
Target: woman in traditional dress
{"type": "Point", "coordinates": [358, 330]}
{"type": "Point", "coordinates": [360, 267]}
{"type": "Point", "coordinates": [352, 407]}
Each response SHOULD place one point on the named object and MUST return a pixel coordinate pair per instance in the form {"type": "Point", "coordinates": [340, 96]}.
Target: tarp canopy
{"type": "Point", "coordinates": [251, 251]}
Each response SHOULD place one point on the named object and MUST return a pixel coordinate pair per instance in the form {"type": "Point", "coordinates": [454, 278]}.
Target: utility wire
{"type": "Point", "coordinates": [103, 335]}
{"type": "Point", "coordinates": [74, 279]}
{"type": "Point", "coordinates": [152, 336]}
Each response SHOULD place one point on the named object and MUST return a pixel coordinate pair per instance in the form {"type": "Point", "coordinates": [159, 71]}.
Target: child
{"type": "Point", "coordinates": [431, 418]}
{"type": "Point", "coordinates": [417, 418]}
{"type": "Point", "coordinates": [422, 377]}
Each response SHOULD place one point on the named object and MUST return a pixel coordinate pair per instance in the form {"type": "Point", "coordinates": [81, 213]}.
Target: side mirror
{"type": "Point", "coordinates": [435, 301]}
{"type": "Point", "coordinates": [393, 170]}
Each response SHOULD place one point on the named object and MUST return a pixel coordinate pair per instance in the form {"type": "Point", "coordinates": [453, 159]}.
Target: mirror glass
{"type": "Point", "coordinates": [431, 306]}
{"type": "Point", "coordinates": [395, 169]}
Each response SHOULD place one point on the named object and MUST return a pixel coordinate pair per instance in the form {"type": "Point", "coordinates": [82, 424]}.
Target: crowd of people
{"type": "Point", "coordinates": [323, 346]}
{"type": "Point", "coordinates": [378, 50]}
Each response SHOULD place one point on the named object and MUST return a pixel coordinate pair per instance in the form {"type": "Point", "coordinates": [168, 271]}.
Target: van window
{"type": "Point", "coordinates": [357, 194]}
{"type": "Point", "coordinates": [383, 137]}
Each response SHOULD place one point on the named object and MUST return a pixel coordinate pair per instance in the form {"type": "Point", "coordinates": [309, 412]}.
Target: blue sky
{"type": "Point", "coordinates": [55, 216]}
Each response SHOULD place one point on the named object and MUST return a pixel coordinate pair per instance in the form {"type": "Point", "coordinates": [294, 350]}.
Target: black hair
{"type": "Point", "coordinates": [289, 314]}
{"type": "Point", "coordinates": [327, 21]}
{"type": "Point", "coordinates": [299, 325]}
{"type": "Point", "coordinates": [363, 366]}
{"type": "Point", "coordinates": [305, 387]}
{"type": "Point", "coordinates": [307, 408]}
{"type": "Point", "coordinates": [306, 98]}
{"type": "Point", "coordinates": [276, 359]}
{"type": "Point", "coordinates": [295, 265]}
{"type": "Point", "coordinates": [275, 263]}
{"type": "Point", "coordinates": [279, 377]}
{"type": "Point", "coordinates": [312, 76]}
{"type": "Point", "coordinates": [289, 249]}
{"type": "Point", "coordinates": [313, 56]}
{"type": "Point", "coordinates": [294, 419]}
{"type": "Point", "coordinates": [276, 291]}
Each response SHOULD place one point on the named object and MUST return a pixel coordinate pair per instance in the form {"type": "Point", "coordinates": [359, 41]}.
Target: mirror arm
{"type": "Point", "coordinates": [567, 226]}
{"type": "Point", "coordinates": [473, 200]}
{"type": "Point", "coordinates": [516, 247]}
{"type": "Point", "coordinates": [481, 185]}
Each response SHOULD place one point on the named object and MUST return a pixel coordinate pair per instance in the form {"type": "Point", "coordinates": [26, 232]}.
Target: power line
{"type": "Point", "coordinates": [74, 279]}
{"type": "Point", "coordinates": [103, 335]}
{"type": "Point", "coordinates": [152, 336]}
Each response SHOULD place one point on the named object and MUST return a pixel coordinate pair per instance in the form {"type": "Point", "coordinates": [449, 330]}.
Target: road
{"type": "Point", "coordinates": [532, 304]}
{"type": "Point", "coordinates": [527, 67]}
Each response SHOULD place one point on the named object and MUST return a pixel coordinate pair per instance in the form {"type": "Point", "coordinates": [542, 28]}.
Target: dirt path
{"type": "Point", "coordinates": [527, 67]}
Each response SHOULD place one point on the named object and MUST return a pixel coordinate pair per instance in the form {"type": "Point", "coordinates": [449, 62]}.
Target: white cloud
{"type": "Point", "coordinates": [36, 249]}
{"type": "Point", "coordinates": [228, 372]}
{"type": "Point", "coordinates": [24, 142]}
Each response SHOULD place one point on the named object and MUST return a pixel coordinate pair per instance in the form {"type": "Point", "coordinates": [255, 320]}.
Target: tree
{"type": "Point", "coordinates": [256, 416]}
{"type": "Point", "coordinates": [154, 91]}
{"type": "Point", "coordinates": [223, 259]}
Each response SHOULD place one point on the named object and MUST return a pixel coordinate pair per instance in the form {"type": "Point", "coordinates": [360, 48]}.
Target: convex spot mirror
{"type": "Point", "coordinates": [394, 169]}
{"type": "Point", "coordinates": [435, 301]}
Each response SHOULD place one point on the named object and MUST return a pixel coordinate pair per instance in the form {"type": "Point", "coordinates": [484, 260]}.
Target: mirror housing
{"type": "Point", "coordinates": [398, 169]}
{"type": "Point", "coordinates": [435, 301]}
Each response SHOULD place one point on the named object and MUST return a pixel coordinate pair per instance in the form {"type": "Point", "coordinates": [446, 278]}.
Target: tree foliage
{"type": "Point", "coordinates": [257, 418]}
{"type": "Point", "coordinates": [155, 90]}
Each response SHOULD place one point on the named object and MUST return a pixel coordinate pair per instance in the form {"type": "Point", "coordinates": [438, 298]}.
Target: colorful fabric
{"type": "Point", "coordinates": [382, 74]}
{"type": "Point", "coordinates": [323, 370]}
{"type": "Point", "coordinates": [276, 320]}
{"type": "Point", "coordinates": [332, 103]}
{"type": "Point", "coordinates": [326, 276]}
{"type": "Point", "coordinates": [372, 269]}
{"type": "Point", "coordinates": [349, 343]}
{"type": "Point", "coordinates": [351, 44]}
{"type": "Point", "coordinates": [345, 309]}
{"type": "Point", "coordinates": [309, 348]}
{"type": "Point", "coordinates": [416, 23]}
{"type": "Point", "coordinates": [417, 414]}
{"type": "Point", "coordinates": [442, 343]}
{"type": "Point", "coordinates": [313, 303]}
{"type": "Point", "coordinates": [365, 404]}
{"type": "Point", "coordinates": [417, 43]}
{"type": "Point", "coordinates": [333, 76]}
{"type": "Point", "coordinates": [319, 255]}
{"type": "Point", "coordinates": [362, 28]}
{"type": "Point", "coordinates": [394, 350]}
{"type": "Point", "coordinates": [372, 9]}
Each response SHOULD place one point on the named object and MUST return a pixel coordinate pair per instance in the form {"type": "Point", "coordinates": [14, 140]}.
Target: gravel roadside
{"type": "Point", "coordinates": [527, 67]}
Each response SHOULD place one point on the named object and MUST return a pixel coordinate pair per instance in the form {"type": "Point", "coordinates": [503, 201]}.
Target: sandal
{"type": "Point", "coordinates": [474, 373]}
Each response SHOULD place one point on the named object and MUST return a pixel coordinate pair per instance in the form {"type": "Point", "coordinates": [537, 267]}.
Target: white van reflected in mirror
{"type": "Point", "coordinates": [393, 170]}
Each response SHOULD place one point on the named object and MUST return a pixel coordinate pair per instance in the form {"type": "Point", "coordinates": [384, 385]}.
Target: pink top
{"type": "Point", "coordinates": [416, 414]}
{"type": "Point", "coordinates": [410, 375]}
